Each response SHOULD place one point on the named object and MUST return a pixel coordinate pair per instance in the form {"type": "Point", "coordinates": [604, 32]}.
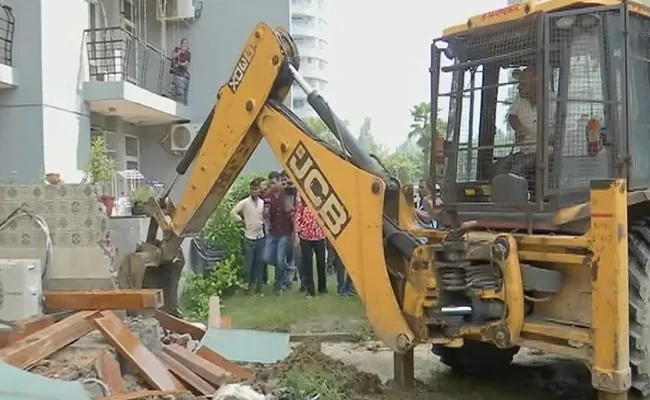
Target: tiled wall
{"type": "Point", "coordinates": [78, 226]}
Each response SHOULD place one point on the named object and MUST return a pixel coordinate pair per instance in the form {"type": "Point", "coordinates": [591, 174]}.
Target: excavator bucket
{"type": "Point", "coordinates": [140, 270]}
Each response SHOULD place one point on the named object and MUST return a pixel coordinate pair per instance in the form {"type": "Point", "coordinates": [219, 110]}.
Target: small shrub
{"type": "Point", "coordinates": [223, 280]}
{"type": "Point", "coordinates": [227, 235]}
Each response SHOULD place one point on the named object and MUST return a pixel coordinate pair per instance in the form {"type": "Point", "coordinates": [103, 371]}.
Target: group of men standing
{"type": "Point", "coordinates": [280, 230]}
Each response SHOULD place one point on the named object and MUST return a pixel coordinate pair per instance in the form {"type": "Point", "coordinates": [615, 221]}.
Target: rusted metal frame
{"type": "Point", "coordinates": [127, 344]}
{"type": "Point", "coordinates": [32, 348]}
{"type": "Point", "coordinates": [26, 327]}
{"type": "Point", "coordinates": [108, 371]}
{"type": "Point", "coordinates": [221, 362]}
{"type": "Point", "coordinates": [120, 299]}
{"type": "Point", "coordinates": [610, 362]}
{"type": "Point", "coordinates": [200, 366]}
{"type": "Point", "coordinates": [177, 325]}
{"type": "Point", "coordinates": [186, 375]}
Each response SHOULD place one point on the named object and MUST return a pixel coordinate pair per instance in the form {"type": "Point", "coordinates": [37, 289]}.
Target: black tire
{"type": "Point", "coordinates": [639, 278]}
{"type": "Point", "coordinates": [475, 357]}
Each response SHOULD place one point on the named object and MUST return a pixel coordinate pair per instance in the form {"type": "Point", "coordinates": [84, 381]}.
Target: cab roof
{"type": "Point", "coordinates": [521, 10]}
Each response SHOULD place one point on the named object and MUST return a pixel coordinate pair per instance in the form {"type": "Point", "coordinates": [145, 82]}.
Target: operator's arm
{"type": "Point", "coordinates": [423, 215]}
{"type": "Point", "coordinates": [236, 211]}
{"type": "Point", "coordinates": [515, 122]}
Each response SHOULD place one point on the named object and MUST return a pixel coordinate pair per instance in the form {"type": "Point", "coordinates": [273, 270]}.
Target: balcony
{"type": "Point", "coordinates": [132, 80]}
{"type": "Point", "coordinates": [7, 72]}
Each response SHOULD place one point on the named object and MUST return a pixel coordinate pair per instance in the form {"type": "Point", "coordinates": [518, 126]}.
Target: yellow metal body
{"type": "Point", "coordinates": [587, 319]}
{"type": "Point", "coordinates": [521, 10]}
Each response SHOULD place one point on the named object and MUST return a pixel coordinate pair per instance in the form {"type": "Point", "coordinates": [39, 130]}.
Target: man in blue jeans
{"type": "Point", "coordinates": [278, 211]}
{"type": "Point", "coordinates": [344, 285]}
{"type": "Point", "coordinates": [249, 212]}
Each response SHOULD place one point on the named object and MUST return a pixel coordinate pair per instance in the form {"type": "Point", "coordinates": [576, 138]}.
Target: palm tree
{"type": "Point", "coordinates": [421, 128]}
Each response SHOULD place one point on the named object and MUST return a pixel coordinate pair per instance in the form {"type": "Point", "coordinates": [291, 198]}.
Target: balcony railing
{"type": "Point", "coordinates": [115, 55]}
{"type": "Point", "coordinates": [7, 21]}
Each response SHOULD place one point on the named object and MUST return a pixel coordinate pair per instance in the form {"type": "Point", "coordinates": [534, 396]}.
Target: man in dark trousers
{"type": "Point", "coordinates": [278, 211]}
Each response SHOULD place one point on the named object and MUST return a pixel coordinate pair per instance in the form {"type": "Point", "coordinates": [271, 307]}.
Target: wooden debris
{"type": "Point", "coordinates": [202, 367]}
{"type": "Point", "coordinates": [175, 324]}
{"type": "Point", "coordinates": [227, 365]}
{"type": "Point", "coordinates": [26, 327]}
{"type": "Point", "coordinates": [120, 299]}
{"type": "Point", "coordinates": [144, 394]}
{"type": "Point", "coordinates": [151, 368]}
{"type": "Point", "coordinates": [214, 312]}
{"type": "Point", "coordinates": [31, 349]}
{"type": "Point", "coordinates": [108, 370]}
{"type": "Point", "coordinates": [186, 375]}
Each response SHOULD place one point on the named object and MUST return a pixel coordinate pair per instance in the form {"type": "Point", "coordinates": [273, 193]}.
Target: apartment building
{"type": "Point", "coordinates": [72, 69]}
{"type": "Point", "coordinates": [309, 28]}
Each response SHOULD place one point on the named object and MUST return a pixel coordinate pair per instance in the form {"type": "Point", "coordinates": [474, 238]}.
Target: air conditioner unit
{"type": "Point", "coordinates": [176, 10]}
{"type": "Point", "coordinates": [185, 9]}
{"type": "Point", "coordinates": [182, 136]}
{"type": "Point", "coordinates": [20, 288]}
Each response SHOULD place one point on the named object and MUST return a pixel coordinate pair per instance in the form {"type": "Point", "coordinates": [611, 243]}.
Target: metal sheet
{"type": "Point", "coordinates": [16, 384]}
{"type": "Point", "coordinates": [248, 346]}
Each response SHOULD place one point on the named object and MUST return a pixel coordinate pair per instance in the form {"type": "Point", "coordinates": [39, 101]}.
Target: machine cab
{"type": "Point", "coordinates": [537, 106]}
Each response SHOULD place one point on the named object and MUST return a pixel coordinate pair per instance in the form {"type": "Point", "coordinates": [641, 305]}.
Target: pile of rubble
{"type": "Point", "coordinates": [87, 351]}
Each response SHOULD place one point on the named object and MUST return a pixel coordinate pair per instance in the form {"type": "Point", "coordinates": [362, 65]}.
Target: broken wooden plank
{"type": "Point", "coordinates": [220, 361]}
{"type": "Point", "coordinates": [214, 312]}
{"type": "Point", "coordinates": [151, 368]}
{"type": "Point", "coordinates": [108, 370]}
{"type": "Point", "coordinates": [186, 375]}
{"type": "Point", "coordinates": [24, 328]}
{"type": "Point", "coordinates": [32, 348]}
{"type": "Point", "coordinates": [175, 324]}
{"type": "Point", "coordinates": [144, 394]}
{"type": "Point", "coordinates": [118, 299]}
{"type": "Point", "coordinates": [200, 366]}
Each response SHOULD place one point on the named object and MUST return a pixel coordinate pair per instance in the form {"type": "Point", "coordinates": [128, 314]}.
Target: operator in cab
{"type": "Point", "coordinates": [522, 115]}
{"type": "Point", "coordinates": [522, 118]}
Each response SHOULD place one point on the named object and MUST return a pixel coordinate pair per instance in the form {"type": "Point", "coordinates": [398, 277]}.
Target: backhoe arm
{"type": "Point", "coordinates": [347, 196]}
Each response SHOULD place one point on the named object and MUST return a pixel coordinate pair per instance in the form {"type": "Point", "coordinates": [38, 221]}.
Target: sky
{"type": "Point", "coordinates": [379, 58]}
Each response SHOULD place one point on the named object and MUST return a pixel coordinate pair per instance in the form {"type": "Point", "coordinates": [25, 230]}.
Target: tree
{"type": "Point", "coordinates": [322, 131]}
{"type": "Point", "coordinates": [421, 129]}
{"type": "Point", "coordinates": [403, 166]}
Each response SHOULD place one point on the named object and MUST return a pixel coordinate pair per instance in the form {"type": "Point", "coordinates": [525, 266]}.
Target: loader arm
{"type": "Point", "coordinates": [343, 189]}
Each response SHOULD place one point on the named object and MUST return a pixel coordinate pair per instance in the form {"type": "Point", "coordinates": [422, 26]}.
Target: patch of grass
{"type": "Point", "coordinates": [308, 384]}
{"type": "Point", "coordinates": [292, 312]}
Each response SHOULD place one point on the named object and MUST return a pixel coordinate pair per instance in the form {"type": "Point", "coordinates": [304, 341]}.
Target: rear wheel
{"type": "Point", "coordinates": [475, 357]}
{"type": "Point", "coordinates": [639, 278]}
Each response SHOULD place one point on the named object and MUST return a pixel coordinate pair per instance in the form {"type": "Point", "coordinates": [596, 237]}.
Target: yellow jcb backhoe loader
{"type": "Point", "coordinates": [534, 249]}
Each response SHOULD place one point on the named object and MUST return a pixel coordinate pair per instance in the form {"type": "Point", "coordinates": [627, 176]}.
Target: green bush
{"type": "Point", "coordinates": [227, 235]}
{"type": "Point", "coordinates": [222, 281]}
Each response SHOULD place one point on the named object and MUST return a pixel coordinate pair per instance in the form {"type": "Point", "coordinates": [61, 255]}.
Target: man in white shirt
{"type": "Point", "coordinates": [250, 212]}
{"type": "Point", "coordinates": [522, 115]}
